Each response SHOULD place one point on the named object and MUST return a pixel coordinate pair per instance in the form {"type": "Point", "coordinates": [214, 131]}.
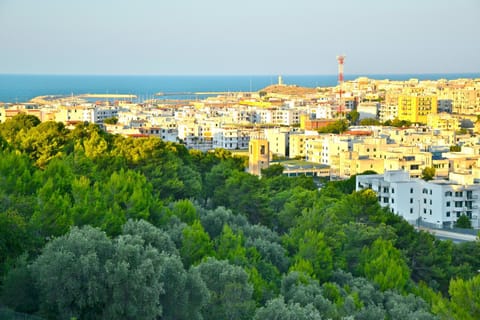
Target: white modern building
{"type": "Point", "coordinates": [231, 138]}
{"type": "Point", "coordinates": [436, 203]}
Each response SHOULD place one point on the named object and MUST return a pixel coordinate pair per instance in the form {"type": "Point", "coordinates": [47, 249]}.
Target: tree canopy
{"type": "Point", "coordinates": [99, 226]}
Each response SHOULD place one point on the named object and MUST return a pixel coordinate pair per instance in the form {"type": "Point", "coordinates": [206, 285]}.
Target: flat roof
{"type": "Point", "coordinates": [293, 164]}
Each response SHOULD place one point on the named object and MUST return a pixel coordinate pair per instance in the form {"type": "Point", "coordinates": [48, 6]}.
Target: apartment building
{"type": "Point", "coordinates": [416, 108]}
{"type": "Point", "coordinates": [86, 113]}
{"type": "Point", "coordinates": [443, 121]}
{"type": "Point", "coordinates": [166, 134]}
{"type": "Point", "coordinates": [410, 159]}
{"type": "Point", "coordinates": [297, 143]}
{"type": "Point", "coordinates": [324, 112]}
{"type": "Point", "coordinates": [278, 139]}
{"type": "Point", "coordinates": [352, 163]}
{"type": "Point", "coordinates": [231, 138]}
{"type": "Point", "coordinates": [464, 100]}
{"type": "Point", "coordinates": [444, 105]}
{"type": "Point", "coordinates": [437, 203]}
{"type": "Point", "coordinates": [388, 112]}
{"type": "Point", "coordinates": [277, 116]}
{"type": "Point", "coordinates": [326, 147]}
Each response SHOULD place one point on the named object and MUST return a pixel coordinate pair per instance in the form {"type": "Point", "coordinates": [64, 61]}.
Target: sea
{"type": "Point", "coordinates": [16, 88]}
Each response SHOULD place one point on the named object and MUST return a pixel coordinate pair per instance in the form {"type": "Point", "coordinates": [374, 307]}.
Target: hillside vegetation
{"type": "Point", "coordinates": [97, 226]}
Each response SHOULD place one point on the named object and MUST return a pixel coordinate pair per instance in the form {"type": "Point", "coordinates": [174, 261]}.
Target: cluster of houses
{"type": "Point", "coordinates": [283, 124]}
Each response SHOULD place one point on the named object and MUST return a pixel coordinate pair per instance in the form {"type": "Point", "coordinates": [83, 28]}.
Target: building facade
{"type": "Point", "coordinates": [436, 203]}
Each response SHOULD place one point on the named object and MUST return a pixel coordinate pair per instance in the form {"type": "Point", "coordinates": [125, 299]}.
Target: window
{"type": "Point", "coordinates": [458, 193]}
{"type": "Point", "coordinates": [385, 199]}
{"type": "Point", "coordinates": [424, 211]}
{"type": "Point", "coordinates": [448, 213]}
{"type": "Point", "coordinates": [448, 204]}
{"type": "Point", "coordinates": [411, 190]}
{"type": "Point", "coordinates": [393, 200]}
{"type": "Point", "coordinates": [430, 211]}
{"type": "Point", "coordinates": [430, 191]}
{"type": "Point", "coordinates": [430, 201]}
{"type": "Point", "coordinates": [448, 194]}
{"type": "Point", "coordinates": [393, 190]}
{"type": "Point", "coordinates": [411, 200]}
{"type": "Point", "coordinates": [458, 204]}
{"type": "Point", "coordinates": [424, 200]}
{"type": "Point", "coordinates": [411, 210]}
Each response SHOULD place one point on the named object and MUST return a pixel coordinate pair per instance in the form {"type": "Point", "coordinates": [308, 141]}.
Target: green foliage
{"type": "Point", "coordinates": [313, 250]}
{"type": "Point", "coordinates": [111, 120]}
{"type": "Point", "coordinates": [151, 236]}
{"type": "Point", "coordinates": [52, 180]}
{"type": "Point", "coordinates": [338, 126]}
{"type": "Point", "coordinates": [184, 294]}
{"type": "Point", "coordinates": [70, 274]}
{"type": "Point", "coordinates": [230, 292]}
{"type": "Point", "coordinates": [455, 148]}
{"type": "Point", "coordinates": [196, 244]}
{"type": "Point", "coordinates": [17, 290]}
{"type": "Point", "coordinates": [44, 142]}
{"type": "Point", "coordinates": [463, 222]}
{"type": "Point", "coordinates": [353, 117]}
{"type": "Point", "coordinates": [397, 123]}
{"type": "Point", "coordinates": [384, 264]}
{"type": "Point", "coordinates": [243, 193]}
{"type": "Point", "coordinates": [428, 173]}
{"type": "Point", "coordinates": [184, 210]}
{"type": "Point", "coordinates": [465, 298]}
{"type": "Point", "coordinates": [134, 282]}
{"type": "Point", "coordinates": [14, 236]}
{"type": "Point", "coordinates": [86, 275]}
{"type": "Point", "coordinates": [359, 236]}
{"type": "Point", "coordinates": [230, 246]}
{"type": "Point", "coordinates": [273, 170]}
{"type": "Point", "coordinates": [278, 309]}
{"type": "Point", "coordinates": [15, 129]}
{"type": "Point", "coordinates": [369, 122]}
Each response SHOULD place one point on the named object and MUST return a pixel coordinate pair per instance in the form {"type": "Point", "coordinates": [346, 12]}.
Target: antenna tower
{"type": "Point", "coordinates": [340, 60]}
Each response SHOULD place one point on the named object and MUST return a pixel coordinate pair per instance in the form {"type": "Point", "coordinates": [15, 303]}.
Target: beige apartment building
{"type": "Point", "coordinates": [443, 121]}
{"type": "Point", "coordinates": [410, 159]}
{"type": "Point", "coordinates": [297, 144]}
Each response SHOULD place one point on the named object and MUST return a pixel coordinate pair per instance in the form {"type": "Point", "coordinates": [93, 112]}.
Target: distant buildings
{"type": "Point", "coordinates": [282, 123]}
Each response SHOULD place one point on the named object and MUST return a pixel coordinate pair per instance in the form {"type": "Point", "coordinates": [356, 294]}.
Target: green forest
{"type": "Point", "coordinates": [100, 226]}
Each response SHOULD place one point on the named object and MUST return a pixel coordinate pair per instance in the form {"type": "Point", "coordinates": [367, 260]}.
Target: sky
{"type": "Point", "coordinates": [244, 37]}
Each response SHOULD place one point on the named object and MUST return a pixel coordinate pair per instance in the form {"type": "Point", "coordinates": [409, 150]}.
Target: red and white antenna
{"type": "Point", "coordinates": [340, 60]}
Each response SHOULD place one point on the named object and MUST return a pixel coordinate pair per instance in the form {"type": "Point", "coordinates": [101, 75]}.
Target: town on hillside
{"type": "Point", "coordinates": [420, 138]}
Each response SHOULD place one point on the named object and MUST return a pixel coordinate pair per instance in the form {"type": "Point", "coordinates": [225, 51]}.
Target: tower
{"type": "Point", "coordinates": [259, 155]}
{"type": "Point", "coordinates": [340, 60]}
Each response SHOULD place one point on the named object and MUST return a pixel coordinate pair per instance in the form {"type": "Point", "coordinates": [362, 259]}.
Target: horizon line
{"type": "Point", "coordinates": [239, 74]}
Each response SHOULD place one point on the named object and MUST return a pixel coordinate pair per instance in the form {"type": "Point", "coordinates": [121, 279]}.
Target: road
{"type": "Point", "coordinates": [454, 236]}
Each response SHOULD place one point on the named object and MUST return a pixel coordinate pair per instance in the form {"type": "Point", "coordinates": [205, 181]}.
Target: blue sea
{"type": "Point", "coordinates": [22, 88]}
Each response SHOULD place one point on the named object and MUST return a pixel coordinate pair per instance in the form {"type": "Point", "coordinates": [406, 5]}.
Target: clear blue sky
{"type": "Point", "coordinates": [238, 37]}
